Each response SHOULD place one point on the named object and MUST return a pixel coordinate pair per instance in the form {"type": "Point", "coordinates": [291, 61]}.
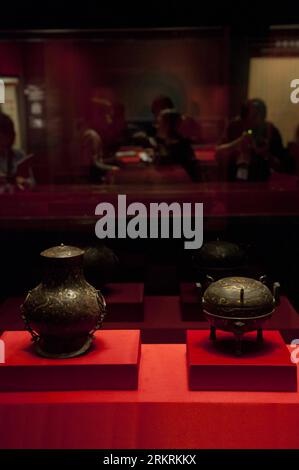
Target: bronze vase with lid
{"type": "Point", "coordinates": [63, 311]}
{"type": "Point", "coordinates": [239, 305]}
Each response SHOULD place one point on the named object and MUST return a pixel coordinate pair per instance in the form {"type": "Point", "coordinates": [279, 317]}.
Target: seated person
{"type": "Point", "coordinates": [170, 146]}
{"type": "Point", "coordinates": [92, 153]}
{"type": "Point", "coordinates": [12, 159]}
{"type": "Point", "coordinates": [252, 146]}
{"type": "Point", "coordinates": [160, 103]}
{"type": "Point", "coordinates": [144, 134]}
{"type": "Point", "coordinates": [190, 129]}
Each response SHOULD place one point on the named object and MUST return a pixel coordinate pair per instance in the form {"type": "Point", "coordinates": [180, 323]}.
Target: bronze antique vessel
{"type": "Point", "coordinates": [100, 264]}
{"type": "Point", "coordinates": [217, 259]}
{"type": "Point", "coordinates": [63, 311]}
{"type": "Point", "coordinates": [217, 254]}
{"type": "Point", "coordinates": [239, 305]}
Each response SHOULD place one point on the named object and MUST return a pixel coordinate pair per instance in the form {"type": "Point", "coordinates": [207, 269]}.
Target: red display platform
{"type": "Point", "coordinates": [161, 414]}
{"type": "Point", "coordinates": [112, 363]}
{"type": "Point", "coordinates": [124, 302]}
{"type": "Point", "coordinates": [212, 365]}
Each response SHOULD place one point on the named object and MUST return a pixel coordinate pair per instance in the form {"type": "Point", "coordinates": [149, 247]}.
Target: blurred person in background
{"type": "Point", "coordinates": [146, 138]}
{"type": "Point", "coordinates": [252, 146]}
{"type": "Point", "coordinates": [190, 129]}
{"type": "Point", "coordinates": [92, 153]}
{"type": "Point", "coordinates": [188, 126]}
{"type": "Point", "coordinates": [171, 147]}
{"type": "Point", "coordinates": [159, 104]}
{"type": "Point", "coordinates": [108, 120]}
{"type": "Point", "coordinates": [15, 166]}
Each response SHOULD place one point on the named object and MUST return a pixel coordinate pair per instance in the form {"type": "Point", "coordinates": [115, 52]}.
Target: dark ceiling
{"type": "Point", "coordinates": [241, 15]}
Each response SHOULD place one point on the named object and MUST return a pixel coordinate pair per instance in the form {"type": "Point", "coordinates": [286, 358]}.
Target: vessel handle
{"type": "Point", "coordinates": [209, 279]}
{"type": "Point", "coordinates": [34, 336]}
{"type": "Point", "coordinates": [263, 279]}
{"type": "Point", "coordinates": [102, 305]}
{"type": "Point", "coordinates": [199, 289]}
{"type": "Point", "coordinates": [276, 293]}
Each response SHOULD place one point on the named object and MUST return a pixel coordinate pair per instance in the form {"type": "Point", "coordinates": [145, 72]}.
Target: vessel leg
{"type": "Point", "coordinates": [259, 336]}
{"type": "Point", "coordinates": [238, 350]}
{"type": "Point", "coordinates": [213, 333]}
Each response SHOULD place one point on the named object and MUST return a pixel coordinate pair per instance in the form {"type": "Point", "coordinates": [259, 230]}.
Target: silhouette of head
{"type": "Point", "coordinates": [161, 103]}
{"type": "Point", "coordinates": [254, 112]}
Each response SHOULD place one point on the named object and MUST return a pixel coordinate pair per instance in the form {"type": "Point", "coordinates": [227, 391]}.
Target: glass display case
{"type": "Point", "coordinates": [146, 114]}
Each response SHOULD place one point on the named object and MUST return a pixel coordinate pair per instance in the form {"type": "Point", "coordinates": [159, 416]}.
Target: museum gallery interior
{"type": "Point", "coordinates": [149, 225]}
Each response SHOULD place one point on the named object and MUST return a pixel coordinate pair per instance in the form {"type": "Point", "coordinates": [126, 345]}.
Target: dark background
{"type": "Point", "coordinates": [243, 15]}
